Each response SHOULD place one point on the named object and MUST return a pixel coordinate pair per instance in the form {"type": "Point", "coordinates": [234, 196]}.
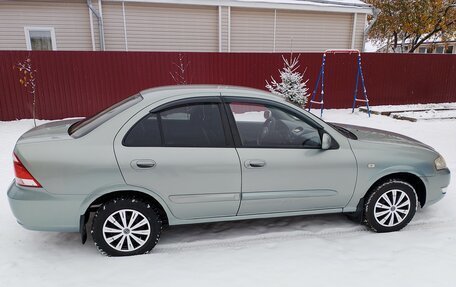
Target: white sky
{"type": "Point", "coordinates": [370, 47]}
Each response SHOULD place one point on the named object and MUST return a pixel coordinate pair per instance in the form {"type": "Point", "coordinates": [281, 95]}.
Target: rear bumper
{"type": "Point", "coordinates": [36, 209]}
{"type": "Point", "coordinates": [436, 186]}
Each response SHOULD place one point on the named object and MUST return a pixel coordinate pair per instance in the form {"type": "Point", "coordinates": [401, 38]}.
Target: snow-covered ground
{"type": "Point", "coordinates": [326, 250]}
{"type": "Point", "coordinates": [417, 112]}
{"type": "Point", "coordinates": [416, 107]}
{"type": "Point", "coordinates": [428, 114]}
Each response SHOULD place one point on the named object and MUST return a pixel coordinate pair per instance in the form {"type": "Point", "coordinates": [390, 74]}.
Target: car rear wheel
{"type": "Point", "coordinates": [391, 206]}
{"type": "Point", "coordinates": [126, 226]}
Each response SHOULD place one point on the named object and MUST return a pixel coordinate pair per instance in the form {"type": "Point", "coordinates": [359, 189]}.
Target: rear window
{"type": "Point", "coordinates": [87, 125]}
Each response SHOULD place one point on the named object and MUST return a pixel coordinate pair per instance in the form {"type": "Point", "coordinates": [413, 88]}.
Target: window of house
{"type": "Point", "coordinates": [422, 50]}
{"type": "Point", "coordinates": [429, 50]}
{"type": "Point", "coordinates": [449, 50]}
{"type": "Point", "coordinates": [40, 38]}
{"type": "Point", "coordinates": [439, 50]}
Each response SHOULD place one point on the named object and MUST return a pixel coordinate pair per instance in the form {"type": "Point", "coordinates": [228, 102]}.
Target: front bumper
{"type": "Point", "coordinates": [36, 209]}
{"type": "Point", "coordinates": [436, 186]}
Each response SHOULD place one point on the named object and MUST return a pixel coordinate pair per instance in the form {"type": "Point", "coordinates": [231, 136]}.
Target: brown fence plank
{"type": "Point", "coordinates": [81, 83]}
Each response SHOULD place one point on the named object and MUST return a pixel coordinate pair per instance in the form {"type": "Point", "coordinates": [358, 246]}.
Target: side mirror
{"type": "Point", "coordinates": [325, 141]}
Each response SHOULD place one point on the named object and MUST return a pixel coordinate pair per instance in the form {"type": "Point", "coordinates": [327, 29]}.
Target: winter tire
{"type": "Point", "coordinates": [391, 206]}
{"type": "Point", "coordinates": [126, 226]}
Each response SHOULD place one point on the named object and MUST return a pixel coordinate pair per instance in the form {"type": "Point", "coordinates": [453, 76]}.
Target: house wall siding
{"type": "Point", "coordinates": [312, 31]}
{"type": "Point", "coordinates": [114, 26]}
{"type": "Point", "coordinates": [252, 30]}
{"type": "Point", "coordinates": [95, 27]}
{"type": "Point", "coordinates": [166, 27]}
{"type": "Point", "coordinates": [70, 20]}
{"type": "Point", "coordinates": [171, 27]}
{"type": "Point", "coordinates": [359, 31]}
{"type": "Point", "coordinates": [225, 22]}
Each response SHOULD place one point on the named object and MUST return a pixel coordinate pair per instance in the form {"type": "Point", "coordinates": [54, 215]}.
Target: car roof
{"type": "Point", "coordinates": [168, 91]}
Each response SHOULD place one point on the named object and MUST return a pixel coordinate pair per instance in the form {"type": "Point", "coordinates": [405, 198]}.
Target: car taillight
{"type": "Point", "coordinates": [23, 176]}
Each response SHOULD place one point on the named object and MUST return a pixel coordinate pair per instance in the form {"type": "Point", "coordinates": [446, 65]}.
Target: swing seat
{"type": "Point", "coordinates": [316, 102]}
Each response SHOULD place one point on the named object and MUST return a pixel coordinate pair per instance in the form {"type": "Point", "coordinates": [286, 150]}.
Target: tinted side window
{"type": "Point", "coordinates": [264, 125]}
{"type": "Point", "coordinates": [145, 132]}
{"type": "Point", "coordinates": [195, 125]}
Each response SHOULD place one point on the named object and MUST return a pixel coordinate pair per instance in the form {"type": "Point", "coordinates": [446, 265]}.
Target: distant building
{"type": "Point", "coordinates": [177, 25]}
{"type": "Point", "coordinates": [430, 47]}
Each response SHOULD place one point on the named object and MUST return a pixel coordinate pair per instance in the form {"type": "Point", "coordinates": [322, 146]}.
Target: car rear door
{"type": "Point", "coordinates": [183, 153]}
{"type": "Point", "coordinates": [284, 168]}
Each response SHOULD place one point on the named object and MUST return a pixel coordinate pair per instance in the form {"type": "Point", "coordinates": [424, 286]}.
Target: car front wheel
{"type": "Point", "coordinates": [391, 206]}
{"type": "Point", "coordinates": [126, 226]}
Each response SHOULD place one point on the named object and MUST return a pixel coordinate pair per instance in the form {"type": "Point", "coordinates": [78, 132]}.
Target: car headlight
{"type": "Point", "coordinates": [440, 163]}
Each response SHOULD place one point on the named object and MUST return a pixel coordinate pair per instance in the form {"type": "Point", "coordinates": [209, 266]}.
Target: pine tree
{"type": "Point", "coordinates": [291, 87]}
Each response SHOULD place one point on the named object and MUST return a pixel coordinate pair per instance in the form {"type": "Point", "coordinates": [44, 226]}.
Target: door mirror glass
{"type": "Point", "coordinates": [326, 141]}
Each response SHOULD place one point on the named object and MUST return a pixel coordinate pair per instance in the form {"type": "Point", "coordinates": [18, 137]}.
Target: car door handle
{"type": "Point", "coordinates": [254, 163]}
{"type": "Point", "coordinates": [143, 164]}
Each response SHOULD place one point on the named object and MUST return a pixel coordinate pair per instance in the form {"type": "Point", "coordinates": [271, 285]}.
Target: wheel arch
{"type": "Point", "coordinates": [97, 198]}
{"type": "Point", "coordinates": [412, 179]}
{"type": "Point", "coordinates": [108, 196]}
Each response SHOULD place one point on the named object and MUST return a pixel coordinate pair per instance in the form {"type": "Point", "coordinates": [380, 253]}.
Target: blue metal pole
{"type": "Point", "coordinates": [364, 87]}
{"type": "Point", "coordinates": [314, 93]}
{"type": "Point", "coordinates": [322, 85]}
{"type": "Point", "coordinates": [315, 89]}
{"type": "Point", "coordinates": [356, 85]}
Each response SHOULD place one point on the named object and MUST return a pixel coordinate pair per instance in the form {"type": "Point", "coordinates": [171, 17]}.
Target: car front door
{"type": "Point", "coordinates": [284, 168]}
{"type": "Point", "coordinates": [184, 153]}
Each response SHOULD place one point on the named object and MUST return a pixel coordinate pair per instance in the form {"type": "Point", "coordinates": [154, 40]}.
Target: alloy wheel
{"type": "Point", "coordinates": [126, 230]}
{"type": "Point", "coordinates": [392, 208]}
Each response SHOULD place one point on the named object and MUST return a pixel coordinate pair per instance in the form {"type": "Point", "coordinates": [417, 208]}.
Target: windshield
{"type": "Point", "coordinates": [87, 125]}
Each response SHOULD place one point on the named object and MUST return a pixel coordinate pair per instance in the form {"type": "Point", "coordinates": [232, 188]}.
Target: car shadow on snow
{"type": "Point", "coordinates": [230, 233]}
{"type": "Point", "coordinates": [219, 234]}
{"type": "Point", "coordinates": [235, 233]}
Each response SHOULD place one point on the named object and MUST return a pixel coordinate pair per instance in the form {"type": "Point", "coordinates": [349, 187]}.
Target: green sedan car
{"type": "Point", "coordinates": [194, 154]}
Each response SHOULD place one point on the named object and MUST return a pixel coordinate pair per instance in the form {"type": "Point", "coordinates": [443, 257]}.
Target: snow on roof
{"type": "Point", "coordinates": [348, 6]}
{"type": "Point", "coordinates": [318, 5]}
{"type": "Point", "coordinates": [358, 3]}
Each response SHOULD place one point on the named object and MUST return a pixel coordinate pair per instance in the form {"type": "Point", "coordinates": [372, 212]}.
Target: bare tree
{"type": "Point", "coordinates": [179, 75]}
{"type": "Point", "coordinates": [411, 23]}
{"type": "Point", "coordinates": [27, 80]}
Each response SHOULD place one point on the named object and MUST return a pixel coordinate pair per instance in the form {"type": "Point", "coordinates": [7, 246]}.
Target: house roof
{"type": "Point", "coordinates": [343, 6]}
